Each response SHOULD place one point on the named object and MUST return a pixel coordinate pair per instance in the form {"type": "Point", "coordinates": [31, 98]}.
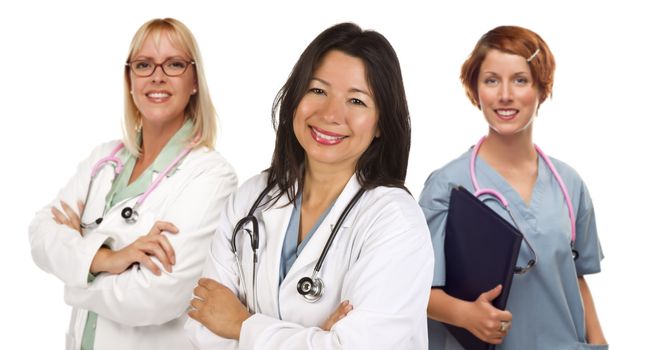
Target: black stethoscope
{"type": "Point", "coordinates": [311, 288]}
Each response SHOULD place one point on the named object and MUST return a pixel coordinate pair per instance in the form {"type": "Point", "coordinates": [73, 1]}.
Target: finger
{"type": "Point", "coordinates": [196, 303]}
{"type": "Point", "coordinates": [506, 316]}
{"type": "Point", "coordinates": [58, 216]}
{"type": "Point", "coordinates": [168, 248]}
{"type": "Point", "coordinates": [209, 284]}
{"type": "Point", "coordinates": [81, 207]}
{"type": "Point", "coordinates": [161, 226]}
{"type": "Point", "coordinates": [200, 292]}
{"type": "Point", "coordinates": [74, 218]}
{"type": "Point", "coordinates": [491, 294]}
{"type": "Point", "coordinates": [195, 315]}
{"type": "Point", "coordinates": [146, 261]}
{"type": "Point", "coordinates": [154, 249]}
{"type": "Point", "coordinates": [67, 209]}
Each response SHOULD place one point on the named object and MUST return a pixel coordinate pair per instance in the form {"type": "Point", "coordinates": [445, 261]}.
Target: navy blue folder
{"type": "Point", "coordinates": [481, 249]}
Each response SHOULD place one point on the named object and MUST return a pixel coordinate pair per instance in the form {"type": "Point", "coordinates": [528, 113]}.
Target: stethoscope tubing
{"type": "Point", "coordinates": [492, 192]}
{"type": "Point", "coordinates": [130, 214]}
{"type": "Point", "coordinates": [315, 283]}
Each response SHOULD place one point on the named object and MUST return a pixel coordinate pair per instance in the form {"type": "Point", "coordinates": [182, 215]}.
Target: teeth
{"type": "Point", "coordinates": [158, 94]}
{"type": "Point", "coordinates": [506, 112]}
{"type": "Point", "coordinates": [327, 137]}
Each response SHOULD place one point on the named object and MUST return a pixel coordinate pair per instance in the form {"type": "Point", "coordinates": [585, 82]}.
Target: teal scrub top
{"type": "Point", "coordinates": [291, 249]}
{"type": "Point", "coordinates": [122, 190]}
{"type": "Point", "coordinates": [546, 304]}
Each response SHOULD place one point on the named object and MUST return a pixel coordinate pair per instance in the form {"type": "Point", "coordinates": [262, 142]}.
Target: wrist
{"type": "Point", "coordinates": [98, 264]}
{"type": "Point", "coordinates": [238, 325]}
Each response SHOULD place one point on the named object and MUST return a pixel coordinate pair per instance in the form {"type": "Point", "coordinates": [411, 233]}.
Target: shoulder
{"type": "Point", "coordinates": [392, 207]}
{"type": "Point", "coordinates": [104, 149]}
{"type": "Point", "coordinates": [251, 188]}
{"type": "Point", "coordinates": [569, 175]}
{"type": "Point", "coordinates": [439, 183]}
{"type": "Point", "coordinates": [208, 158]}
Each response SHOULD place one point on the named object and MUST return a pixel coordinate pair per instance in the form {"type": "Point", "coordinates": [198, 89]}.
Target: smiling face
{"type": "Point", "coordinates": [161, 99]}
{"type": "Point", "coordinates": [507, 94]}
{"type": "Point", "coordinates": [336, 120]}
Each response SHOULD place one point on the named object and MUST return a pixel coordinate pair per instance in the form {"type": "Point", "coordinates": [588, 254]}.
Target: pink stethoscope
{"type": "Point", "coordinates": [129, 214]}
{"type": "Point", "coordinates": [490, 191]}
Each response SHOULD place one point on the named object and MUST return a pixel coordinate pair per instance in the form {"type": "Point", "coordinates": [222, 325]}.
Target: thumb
{"type": "Point", "coordinates": [491, 294]}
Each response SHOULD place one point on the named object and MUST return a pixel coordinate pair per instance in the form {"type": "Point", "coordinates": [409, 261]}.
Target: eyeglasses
{"type": "Point", "coordinates": [172, 67]}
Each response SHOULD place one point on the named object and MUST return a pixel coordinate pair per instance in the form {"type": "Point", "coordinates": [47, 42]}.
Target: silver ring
{"type": "Point", "coordinates": [504, 326]}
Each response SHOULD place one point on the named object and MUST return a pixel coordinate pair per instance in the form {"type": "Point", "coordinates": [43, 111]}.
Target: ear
{"type": "Point", "coordinates": [378, 133]}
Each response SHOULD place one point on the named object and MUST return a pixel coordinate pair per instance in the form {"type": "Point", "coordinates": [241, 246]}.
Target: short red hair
{"type": "Point", "coordinates": [516, 41]}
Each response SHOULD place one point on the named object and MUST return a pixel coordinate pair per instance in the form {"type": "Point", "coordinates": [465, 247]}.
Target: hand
{"type": "Point", "coordinates": [343, 309]}
{"type": "Point", "coordinates": [485, 321]}
{"type": "Point", "coordinates": [140, 251]}
{"type": "Point", "coordinates": [71, 218]}
{"type": "Point", "coordinates": [218, 309]}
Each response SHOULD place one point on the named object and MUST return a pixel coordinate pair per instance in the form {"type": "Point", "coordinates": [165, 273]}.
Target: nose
{"type": "Point", "coordinates": [158, 74]}
{"type": "Point", "coordinates": [505, 92]}
{"type": "Point", "coordinates": [332, 111]}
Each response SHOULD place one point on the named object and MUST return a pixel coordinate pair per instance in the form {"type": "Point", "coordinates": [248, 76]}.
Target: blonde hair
{"type": "Point", "coordinates": [199, 109]}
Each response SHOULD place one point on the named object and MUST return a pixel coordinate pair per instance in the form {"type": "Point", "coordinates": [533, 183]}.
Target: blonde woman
{"type": "Point", "coordinates": [128, 234]}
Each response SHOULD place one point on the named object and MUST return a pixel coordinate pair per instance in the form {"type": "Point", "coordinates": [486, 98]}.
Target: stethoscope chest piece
{"type": "Point", "coordinates": [310, 288]}
{"type": "Point", "coordinates": [129, 214]}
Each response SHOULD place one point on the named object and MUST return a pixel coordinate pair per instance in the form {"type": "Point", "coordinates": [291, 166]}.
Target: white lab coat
{"type": "Point", "coordinates": [381, 261]}
{"type": "Point", "coordinates": [136, 309]}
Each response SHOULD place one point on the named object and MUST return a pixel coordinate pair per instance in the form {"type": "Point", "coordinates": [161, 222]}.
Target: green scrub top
{"type": "Point", "coordinates": [121, 190]}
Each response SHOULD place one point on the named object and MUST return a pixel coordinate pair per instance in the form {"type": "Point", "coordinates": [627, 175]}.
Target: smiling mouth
{"type": "Point", "coordinates": [158, 96]}
{"type": "Point", "coordinates": [325, 137]}
{"type": "Point", "coordinates": [506, 114]}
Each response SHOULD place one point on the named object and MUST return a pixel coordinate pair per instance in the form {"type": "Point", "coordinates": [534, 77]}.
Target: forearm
{"type": "Point", "coordinates": [593, 330]}
{"type": "Point", "coordinates": [59, 250]}
{"type": "Point", "coordinates": [444, 308]}
{"type": "Point", "coordinates": [135, 297]}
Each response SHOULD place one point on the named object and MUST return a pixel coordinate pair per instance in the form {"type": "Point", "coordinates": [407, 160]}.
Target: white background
{"type": "Point", "coordinates": [61, 94]}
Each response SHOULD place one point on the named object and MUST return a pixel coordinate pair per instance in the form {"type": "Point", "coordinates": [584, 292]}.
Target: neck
{"type": "Point", "coordinates": [323, 184]}
{"type": "Point", "coordinates": [508, 150]}
{"type": "Point", "coordinates": [155, 137]}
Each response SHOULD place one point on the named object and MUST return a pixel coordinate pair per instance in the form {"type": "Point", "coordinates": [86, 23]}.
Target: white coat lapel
{"type": "Point", "coordinates": [275, 223]}
{"type": "Point", "coordinates": [311, 253]}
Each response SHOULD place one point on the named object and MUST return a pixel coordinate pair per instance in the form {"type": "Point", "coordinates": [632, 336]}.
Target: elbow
{"type": "Point", "coordinates": [147, 314]}
{"type": "Point", "coordinates": [127, 308]}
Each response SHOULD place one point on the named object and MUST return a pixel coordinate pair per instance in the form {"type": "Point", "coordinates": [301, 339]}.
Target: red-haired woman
{"type": "Point", "coordinates": [508, 76]}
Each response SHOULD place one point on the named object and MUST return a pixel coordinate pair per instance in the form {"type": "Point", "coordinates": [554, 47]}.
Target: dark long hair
{"type": "Point", "coordinates": [384, 163]}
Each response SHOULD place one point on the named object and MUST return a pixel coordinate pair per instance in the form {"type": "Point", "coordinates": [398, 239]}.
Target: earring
{"type": "Point", "coordinates": [138, 125]}
{"type": "Point", "coordinates": [193, 91]}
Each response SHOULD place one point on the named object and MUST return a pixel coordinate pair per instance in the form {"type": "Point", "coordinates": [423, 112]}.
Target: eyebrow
{"type": "Point", "coordinates": [150, 58]}
{"type": "Point", "coordinates": [351, 90]}
{"type": "Point", "coordinates": [496, 74]}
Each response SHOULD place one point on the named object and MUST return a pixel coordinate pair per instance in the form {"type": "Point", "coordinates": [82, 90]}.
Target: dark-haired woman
{"type": "Point", "coordinates": [341, 150]}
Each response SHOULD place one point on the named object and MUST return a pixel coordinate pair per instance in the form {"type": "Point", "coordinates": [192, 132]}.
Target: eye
{"type": "Point", "coordinates": [176, 64]}
{"type": "Point", "coordinates": [356, 101]}
{"type": "Point", "coordinates": [521, 81]}
{"type": "Point", "coordinates": [317, 91]}
{"type": "Point", "coordinates": [490, 81]}
{"type": "Point", "coordinates": [142, 65]}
